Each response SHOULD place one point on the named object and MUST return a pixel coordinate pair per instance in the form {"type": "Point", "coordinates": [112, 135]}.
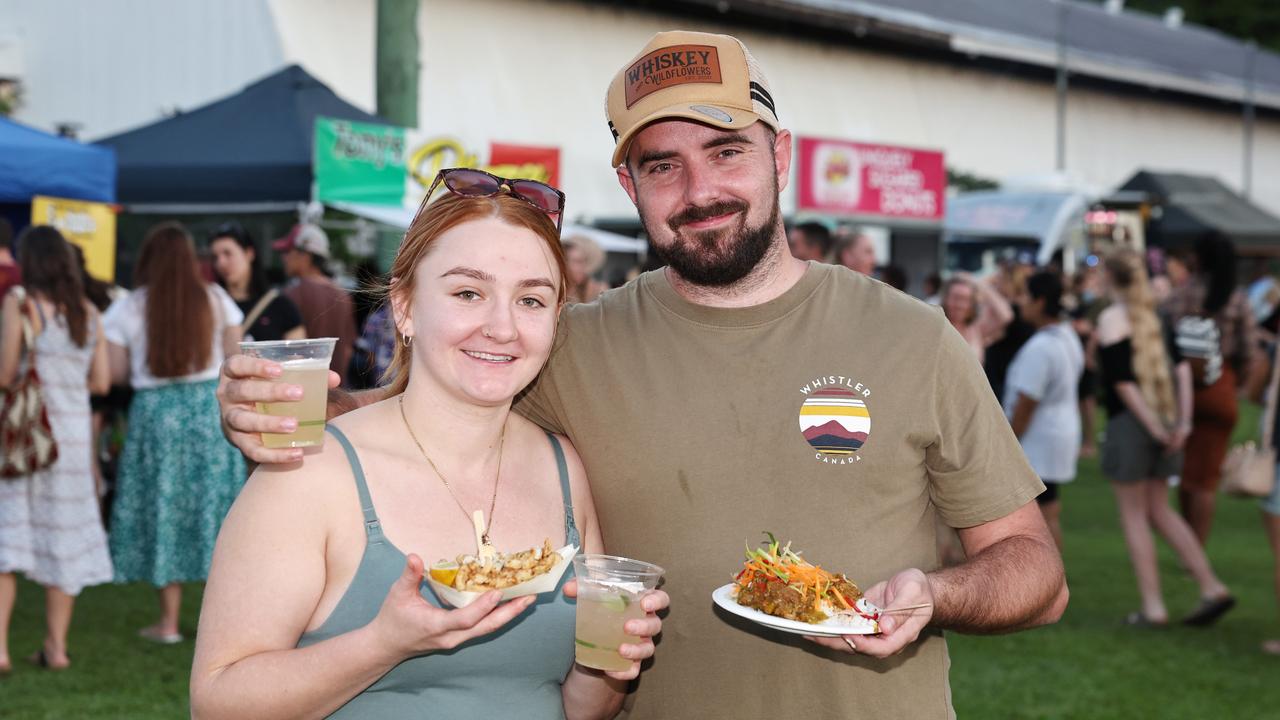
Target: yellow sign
{"type": "Point", "coordinates": [509, 161]}
{"type": "Point", "coordinates": [90, 225]}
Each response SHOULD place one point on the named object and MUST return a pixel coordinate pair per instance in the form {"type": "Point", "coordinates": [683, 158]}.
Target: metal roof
{"type": "Point", "coordinates": [1128, 46]}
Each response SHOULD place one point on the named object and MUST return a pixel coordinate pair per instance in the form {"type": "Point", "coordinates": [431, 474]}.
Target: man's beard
{"type": "Point", "coordinates": [703, 259]}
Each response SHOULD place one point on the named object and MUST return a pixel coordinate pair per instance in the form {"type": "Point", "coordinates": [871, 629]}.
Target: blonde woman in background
{"type": "Point", "coordinates": [976, 310]}
{"type": "Point", "coordinates": [583, 259]}
{"type": "Point", "coordinates": [1148, 401]}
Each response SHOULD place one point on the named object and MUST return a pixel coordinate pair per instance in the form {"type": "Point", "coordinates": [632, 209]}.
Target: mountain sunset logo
{"type": "Point", "coordinates": [835, 422]}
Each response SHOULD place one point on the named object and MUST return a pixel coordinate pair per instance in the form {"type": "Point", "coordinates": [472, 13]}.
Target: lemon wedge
{"type": "Point", "coordinates": [444, 572]}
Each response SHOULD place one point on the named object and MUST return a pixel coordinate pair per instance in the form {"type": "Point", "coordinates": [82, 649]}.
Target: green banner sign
{"type": "Point", "coordinates": [359, 162]}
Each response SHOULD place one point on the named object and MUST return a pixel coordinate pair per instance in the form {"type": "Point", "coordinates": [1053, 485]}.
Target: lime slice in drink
{"type": "Point", "coordinates": [616, 603]}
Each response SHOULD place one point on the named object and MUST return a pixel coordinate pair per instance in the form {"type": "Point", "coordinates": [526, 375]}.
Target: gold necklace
{"type": "Point", "coordinates": [484, 533]}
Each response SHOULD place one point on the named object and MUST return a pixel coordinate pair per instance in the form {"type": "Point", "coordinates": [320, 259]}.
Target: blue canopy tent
{"type": "Point", "coordinates": [249, 152]}
{"type": "Point", "coordinates": [36, 163]}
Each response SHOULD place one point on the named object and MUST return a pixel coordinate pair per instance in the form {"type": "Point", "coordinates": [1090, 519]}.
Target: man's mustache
{"type": "Point", "coordinates": [695, 214]}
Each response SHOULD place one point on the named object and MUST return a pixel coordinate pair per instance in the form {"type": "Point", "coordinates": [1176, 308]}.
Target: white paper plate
{"type": "Point", "coordinates": [545, 582]}
{"type": "Point", "coordinates": [725, 597]}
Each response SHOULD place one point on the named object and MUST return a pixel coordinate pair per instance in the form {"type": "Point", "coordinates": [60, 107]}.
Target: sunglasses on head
{"type": "Point", "coordinates": [469, 182]}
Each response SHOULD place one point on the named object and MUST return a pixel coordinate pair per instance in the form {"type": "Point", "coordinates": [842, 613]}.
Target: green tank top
{"type": "Point", "coordinates": [515, 672]}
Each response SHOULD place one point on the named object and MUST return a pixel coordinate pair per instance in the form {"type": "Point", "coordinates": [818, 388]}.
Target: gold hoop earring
{"type": "Point", "coordinates": [406, 340]}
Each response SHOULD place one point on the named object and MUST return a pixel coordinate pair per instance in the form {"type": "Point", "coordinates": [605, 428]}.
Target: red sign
{"type": "Point", "coordinates": [850, 178]}
{"type": "Point", "coordinates": [524, 161]}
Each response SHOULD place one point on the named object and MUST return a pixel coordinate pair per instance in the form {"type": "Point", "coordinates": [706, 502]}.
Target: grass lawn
{"type": "Point", "coordinates": [1087, 666]}
{"type": "Point", "coordinates": [1090, 665]}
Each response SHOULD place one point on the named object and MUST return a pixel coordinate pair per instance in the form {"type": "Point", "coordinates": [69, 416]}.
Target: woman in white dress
{"type": "Point", "coordinates": [50, 527]}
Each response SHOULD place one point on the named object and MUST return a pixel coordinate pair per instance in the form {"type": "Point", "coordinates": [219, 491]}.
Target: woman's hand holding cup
{"type": "Point", "coordinates": [244, 382]}
{"type": "Point", "coordinates": [645, 628]}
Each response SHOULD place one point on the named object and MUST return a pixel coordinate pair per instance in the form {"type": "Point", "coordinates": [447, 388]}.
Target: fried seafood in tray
{"type": "Point", "coordinates": [506, 570]}
{"type": "Point", "coordinates": [529, 572]}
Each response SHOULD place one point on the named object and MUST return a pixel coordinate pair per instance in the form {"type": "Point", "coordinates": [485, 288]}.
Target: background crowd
{"type": "Point", "coordinates": [1164, 344]}
{"type": "Point", "coordinates": [1168, 341]}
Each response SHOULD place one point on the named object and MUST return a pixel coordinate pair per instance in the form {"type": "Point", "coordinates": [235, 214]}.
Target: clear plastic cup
{"type": "Point", "coordinates": [609, 591]}
{"type": "Point", "coordinates": [305, 363]}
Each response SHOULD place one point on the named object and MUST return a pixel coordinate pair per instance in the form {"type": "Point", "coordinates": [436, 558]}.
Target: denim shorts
{"type": "Point", "coordinates": [1272, 504]}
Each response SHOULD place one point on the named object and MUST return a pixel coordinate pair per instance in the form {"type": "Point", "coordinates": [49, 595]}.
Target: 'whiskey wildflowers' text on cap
{"type": "Point", "coordinates": [697, 76]}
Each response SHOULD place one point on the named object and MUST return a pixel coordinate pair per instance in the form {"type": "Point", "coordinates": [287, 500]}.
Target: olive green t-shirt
{"type": "Point", "coordinates": [842, 416]}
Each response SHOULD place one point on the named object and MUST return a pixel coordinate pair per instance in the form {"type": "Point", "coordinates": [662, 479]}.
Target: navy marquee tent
{"type": "Point", "coordinates": [251, 150]}
{"type": "Point", "coordinates": [1192, 205]}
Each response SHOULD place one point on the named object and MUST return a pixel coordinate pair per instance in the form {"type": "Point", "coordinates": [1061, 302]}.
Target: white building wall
{"type": "Point", "coordinates": [113, 66]}
{"type": "Point", "coordinates": [535, 71]}
{"type": "Point", "coordinates": [335, 41]}
{"type": "Point", "coordinates": [532, 73]}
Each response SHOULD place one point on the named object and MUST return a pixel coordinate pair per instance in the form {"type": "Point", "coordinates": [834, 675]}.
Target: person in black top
{"type": "Point", "coordinates": [1147, 387]}
{"type": "Point", "coordinates": [1010, 282]}
{"type": "Point", "coordinates": [1001, 352]}
{"type": "Point", "coordinates": [268, 315]}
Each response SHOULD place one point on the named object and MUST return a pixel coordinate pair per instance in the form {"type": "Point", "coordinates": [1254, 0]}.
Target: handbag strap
{"type": "Point", "coordinates": [257, 310]}
{"type": "Point", "coordinates": [1269, 414]}
{"type": "Point", "coordinates": [24, 312]}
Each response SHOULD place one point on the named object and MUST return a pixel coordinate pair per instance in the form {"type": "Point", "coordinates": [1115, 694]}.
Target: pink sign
{"type": "Point", "coordinates": [850, 178]}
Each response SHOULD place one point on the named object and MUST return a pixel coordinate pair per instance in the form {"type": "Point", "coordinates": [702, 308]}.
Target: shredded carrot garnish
{"type": "Point", "coordinates": [777, 563]}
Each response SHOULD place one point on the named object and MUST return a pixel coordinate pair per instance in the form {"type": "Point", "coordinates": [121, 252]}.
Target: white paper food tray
{"type": "Point", "coordinates": [545, 582]}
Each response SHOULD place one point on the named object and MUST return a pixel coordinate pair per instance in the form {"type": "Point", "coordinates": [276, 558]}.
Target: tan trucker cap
{"type": "Point", "coordinates": [698, 76]}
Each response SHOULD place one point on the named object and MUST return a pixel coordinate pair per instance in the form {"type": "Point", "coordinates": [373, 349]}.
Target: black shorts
{"type": "Point", "coordinates": [116, 399]}
{"type": "Point", "coordinates": [1088, 385]}
{"type": "Point", "coordinates": [1050, 493]}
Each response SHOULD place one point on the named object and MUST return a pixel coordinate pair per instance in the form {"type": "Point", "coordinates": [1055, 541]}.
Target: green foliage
{"type": "Point", "coordinates": [10, 97]}
{"type": "Point", "coordinates": [968, 182]}
{"type": "Point", "coordinates": [1245, 19]}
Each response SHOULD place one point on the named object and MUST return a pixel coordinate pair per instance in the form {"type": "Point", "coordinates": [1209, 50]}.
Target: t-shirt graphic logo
{"type": "Point", "coordinates": [834, 418]}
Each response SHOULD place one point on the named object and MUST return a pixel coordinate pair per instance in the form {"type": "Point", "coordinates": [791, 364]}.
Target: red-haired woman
{"type": "Point", "coordinates": [178, 476]}
{"type": "Point", "coordinates": [315, 604]}
{"type": "Point", "coordinates": [50, 529]}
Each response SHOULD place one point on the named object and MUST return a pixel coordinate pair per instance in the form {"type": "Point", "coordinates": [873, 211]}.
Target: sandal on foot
{"type": "Point", "coordinates": [1137, 619]}
{"type": "Point", "coordinates": [155, 636]}
{"type": "Point", "coordinates": [1209, 610]}
{"type": "Point", "coordinates": [41, 660]}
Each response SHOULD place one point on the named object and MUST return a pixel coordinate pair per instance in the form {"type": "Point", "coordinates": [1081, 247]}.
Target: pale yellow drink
{"type": "Point", "coordinates": [609, 592]}
{"type": "Point", "coordinates": [602, 613]}
{"type": "Point", "coordinates": [313, 376]}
